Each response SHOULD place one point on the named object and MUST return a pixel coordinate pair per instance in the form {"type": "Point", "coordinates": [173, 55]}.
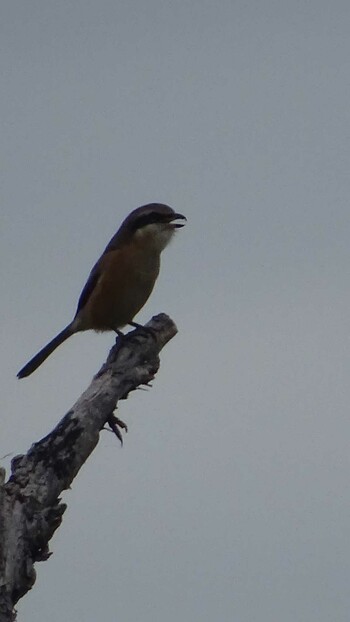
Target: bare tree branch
{"type": "Point", "coordinates": [30, 507]}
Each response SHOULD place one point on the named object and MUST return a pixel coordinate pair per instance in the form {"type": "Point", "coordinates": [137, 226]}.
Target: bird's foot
{"type": "Point", "coordinates": [147, 330]}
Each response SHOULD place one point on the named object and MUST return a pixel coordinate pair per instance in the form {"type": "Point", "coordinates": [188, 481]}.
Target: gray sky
{"type": "Point", "coordinates": [230, 498]}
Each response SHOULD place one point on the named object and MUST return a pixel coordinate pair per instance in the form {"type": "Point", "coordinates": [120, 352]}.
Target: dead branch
{"type": "Point", "coordinates": [30, 507]}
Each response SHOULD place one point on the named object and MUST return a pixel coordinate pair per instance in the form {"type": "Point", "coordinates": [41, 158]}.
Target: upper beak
{"type": "Point", "coordinates": [178, 217]}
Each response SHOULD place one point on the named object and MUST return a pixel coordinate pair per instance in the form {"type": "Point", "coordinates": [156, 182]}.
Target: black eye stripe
{"type": "Point", "coordinates": [149, 219]}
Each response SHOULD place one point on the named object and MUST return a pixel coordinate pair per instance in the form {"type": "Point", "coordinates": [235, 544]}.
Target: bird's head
{"type": "Point", "coordinates": [154, 223]}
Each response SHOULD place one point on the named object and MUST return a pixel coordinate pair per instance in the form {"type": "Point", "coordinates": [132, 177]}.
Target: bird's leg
{"type": "Point", "coordinates": [120, 337]}
{"type": "Point", "coordinates": [145, 329]}
{"type": "Point", "coordinates": [136, 325]}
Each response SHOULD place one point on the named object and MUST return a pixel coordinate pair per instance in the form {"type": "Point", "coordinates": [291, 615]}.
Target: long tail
{"type": "Point", "coordinates": [46, 351]}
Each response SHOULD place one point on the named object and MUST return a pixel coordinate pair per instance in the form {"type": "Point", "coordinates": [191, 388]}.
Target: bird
{"type": "Point", "coordinates": [122, 279]}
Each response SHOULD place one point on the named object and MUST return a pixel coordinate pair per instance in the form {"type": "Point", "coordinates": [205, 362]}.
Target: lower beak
{"type": "Point", "coordinates": [178, 217]}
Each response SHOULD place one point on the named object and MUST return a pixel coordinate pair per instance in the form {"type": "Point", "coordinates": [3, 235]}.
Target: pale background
{"type": "Point", "coordinates": [230, 498]}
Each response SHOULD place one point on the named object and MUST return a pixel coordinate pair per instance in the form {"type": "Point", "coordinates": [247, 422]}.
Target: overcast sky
{"type": "Point", "coordinates": [230, 498]}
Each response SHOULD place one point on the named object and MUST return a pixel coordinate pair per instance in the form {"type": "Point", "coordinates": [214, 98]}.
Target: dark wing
{"type": "Point", "coordinates": [89, 287]}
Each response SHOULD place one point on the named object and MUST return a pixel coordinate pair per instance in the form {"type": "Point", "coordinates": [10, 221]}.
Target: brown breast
{"type": "Point", "coordinates": [127, 279]}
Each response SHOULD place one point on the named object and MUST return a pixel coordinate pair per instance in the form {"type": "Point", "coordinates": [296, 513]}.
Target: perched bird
{"type": "Point", "coordinates": [122, 279]}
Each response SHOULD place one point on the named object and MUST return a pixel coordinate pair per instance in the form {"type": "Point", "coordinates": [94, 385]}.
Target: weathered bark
{"type": "Point", "coordinates": [30, 508]}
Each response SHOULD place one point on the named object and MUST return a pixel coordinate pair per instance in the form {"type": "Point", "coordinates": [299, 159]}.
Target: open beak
{"type": "Point", "coordinates": [177, 217]}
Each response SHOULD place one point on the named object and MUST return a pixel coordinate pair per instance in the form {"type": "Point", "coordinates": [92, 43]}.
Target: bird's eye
{"type": "Point", "coordinates": [146, 219]}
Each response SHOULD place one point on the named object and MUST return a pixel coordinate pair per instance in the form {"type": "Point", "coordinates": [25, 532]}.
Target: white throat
{"type": "Point", "coordinates": [157, 235]}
